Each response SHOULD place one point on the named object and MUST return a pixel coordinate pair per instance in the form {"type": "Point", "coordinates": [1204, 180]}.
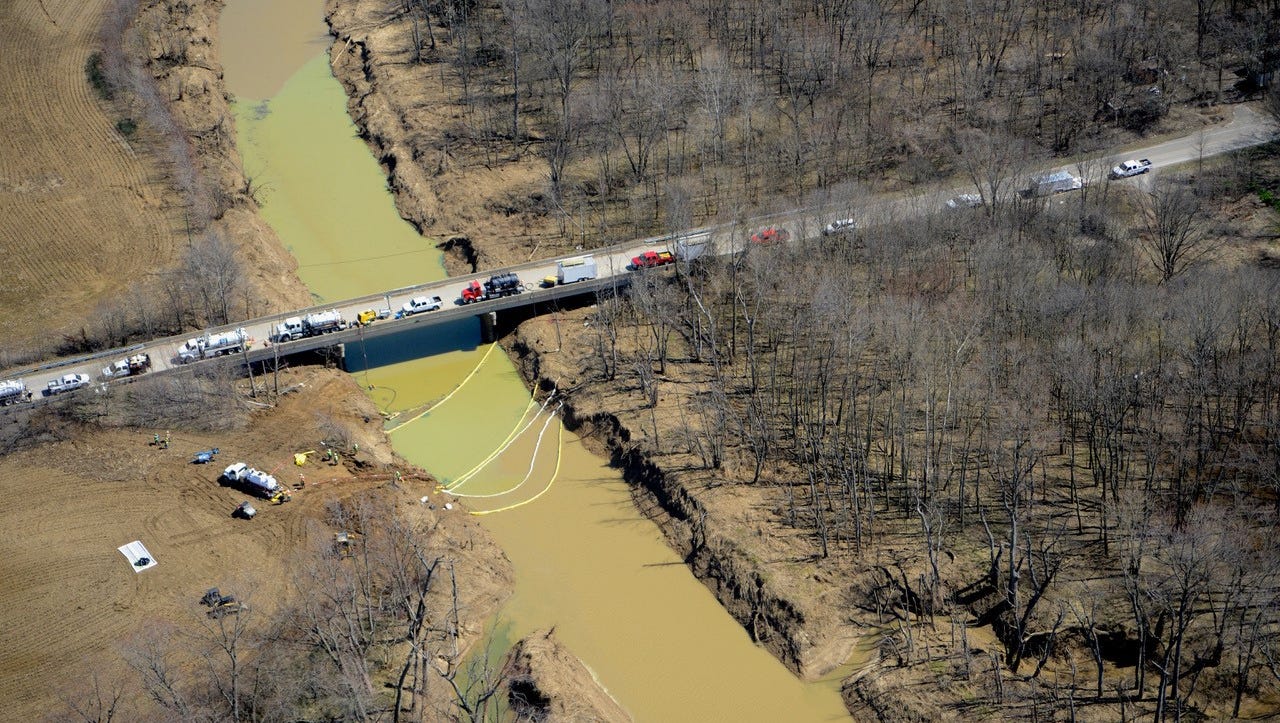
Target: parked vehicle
{"type": "Point", "coordinates": [204, 456]}
{"type": "Point", "coordinates": [965, 200]}
{"type": "Point", "coordinates": [13, 391]}
{"type": "Point", "coordinates": [1053, 183]}
{"type": "Point", "coordinates": [839, 226]}
{"type": "Point", "coordinates": [254, 480]}
{"type": "Point", "coordinates": [129, 366]}
{"type": "Point", "coordinates": [212, 345]}
{"type": "Point", "coordinates": [651, 258]}
{"type": "Point", "coordinates": [769, 235]}
{"type": "Point", "coordinates": [497, 286]}
{"type": "Point", "coordinates": [1131, 168]}
{"type": "Point", "coordinates": [368, 316]}
{"type": "Point", "coordinates": [690, 250]}
{"type": "Point", "coordinates": [419, 304]}
{"type": "Point", "coordinates": [579, 268]}
{"type": "Point", "coordinates": [66, 383]}
{"type": "Point", "coordinates": [301, 327]}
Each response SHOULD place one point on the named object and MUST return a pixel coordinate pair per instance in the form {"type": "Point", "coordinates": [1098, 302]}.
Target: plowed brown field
{"type": "Point", "coordinates": [81, 213]}
{"type": "Point", "coordinates": [70, 602]}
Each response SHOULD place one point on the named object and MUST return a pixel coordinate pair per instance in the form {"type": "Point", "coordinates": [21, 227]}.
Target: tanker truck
{"type": "Point", "coordinates": [254, 480]}
{"type": "Point", "coordinates": [13, 391]}
{"type": "Point", "coordinates": [211, 345]}
{"type": "Point", "coordinates": [497, 286]}
{"type": "Point", "coordinates": [301, 327]}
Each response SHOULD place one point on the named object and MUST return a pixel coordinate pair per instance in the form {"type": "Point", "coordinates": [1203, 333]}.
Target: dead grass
{"type": "Point", "coordinates": [85, 215]}
{"type": "Point", "coordinates": [71, 601]}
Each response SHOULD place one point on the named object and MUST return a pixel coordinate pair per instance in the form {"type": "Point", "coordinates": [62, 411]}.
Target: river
{"type": "Point", "coordinates": [586, 561]}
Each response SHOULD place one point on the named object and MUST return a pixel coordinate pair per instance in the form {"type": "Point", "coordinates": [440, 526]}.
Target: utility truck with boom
{"type": "Point", "coordinates": [127, 367]}
{"type": "Point", "coordinates": [212, 345]}
{"type": "Point", "coordinates": [301, 327]}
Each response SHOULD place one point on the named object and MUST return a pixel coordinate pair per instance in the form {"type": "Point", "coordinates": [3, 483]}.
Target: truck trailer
{"type": "Point", "coordinates": [1053, 183]}
{"type": "Point", "coordinates": [580, 268]}
{"type": "Point", "coordinates": [301, 327]}
{"type": "Point", "coordinates": [211, 345]}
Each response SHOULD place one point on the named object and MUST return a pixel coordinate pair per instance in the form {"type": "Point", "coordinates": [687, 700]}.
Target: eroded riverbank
{"type": "Point", "coordinates": [586, 561]}
{"type": "Point", "coordinates": [370, 58]}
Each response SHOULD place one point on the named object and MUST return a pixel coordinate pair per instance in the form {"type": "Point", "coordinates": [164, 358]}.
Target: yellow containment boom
{"type": "Point", "coordinates": [300, 458]}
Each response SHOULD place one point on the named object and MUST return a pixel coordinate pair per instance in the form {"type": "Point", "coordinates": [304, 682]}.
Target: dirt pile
{"type": "Point", "coordinates": [546, 682]}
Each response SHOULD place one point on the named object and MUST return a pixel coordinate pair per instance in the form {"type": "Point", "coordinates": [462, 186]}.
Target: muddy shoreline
{"type": "Point", "coordinates": [808, 643]}
{"type": "Point", "coordinates": [794, 634]}
{"type": "Point", "coordinates": [200, 104]}
{"type": "Point", "coordinates": [176, 43]}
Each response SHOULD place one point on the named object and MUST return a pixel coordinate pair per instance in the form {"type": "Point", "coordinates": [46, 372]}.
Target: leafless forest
{"type": "Point", "coordinates": [1061, 418]}
{"type": "Point", "coordinates": [652, 115]}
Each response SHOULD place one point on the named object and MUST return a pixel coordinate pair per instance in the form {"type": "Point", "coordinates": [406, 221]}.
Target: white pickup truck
{"type": "Point", "coordinates": [419, 304]}
{"type": "Point", "coordinates": [1131, 168]}
{"type": "Point", "coordinates": [66, 383]}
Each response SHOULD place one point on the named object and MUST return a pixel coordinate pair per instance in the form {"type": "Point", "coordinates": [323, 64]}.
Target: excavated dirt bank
{"type": "Point", "coordinates": [545, 682]}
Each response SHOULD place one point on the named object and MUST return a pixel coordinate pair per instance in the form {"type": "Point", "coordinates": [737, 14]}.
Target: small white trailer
{"type": "Point", "coordinates": [579, 268]}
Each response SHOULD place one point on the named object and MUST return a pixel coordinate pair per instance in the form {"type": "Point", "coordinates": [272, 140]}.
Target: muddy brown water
{"type": "Point", "coordinates": [586, 561]}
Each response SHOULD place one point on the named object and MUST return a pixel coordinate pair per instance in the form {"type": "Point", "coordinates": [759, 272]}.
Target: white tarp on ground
{"type": "Point", "coordinates": [135, 551]}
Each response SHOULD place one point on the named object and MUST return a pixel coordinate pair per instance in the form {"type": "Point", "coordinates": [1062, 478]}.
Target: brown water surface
{"type": "Point", "coordinates": [264, 42]}
{"type": "Point", "coordinates": [586, 561]}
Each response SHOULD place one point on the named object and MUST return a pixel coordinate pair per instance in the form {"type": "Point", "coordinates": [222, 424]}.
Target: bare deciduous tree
{"type": "Point", "coordinates": [1175, 235]}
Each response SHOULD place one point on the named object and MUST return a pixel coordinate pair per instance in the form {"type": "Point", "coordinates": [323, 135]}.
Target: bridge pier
{"type": "Point", "coordinates": [489, 327]}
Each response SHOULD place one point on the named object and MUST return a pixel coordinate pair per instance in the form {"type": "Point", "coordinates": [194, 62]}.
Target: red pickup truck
{"type": "Point", "coordinates": [651, 258]}
{"type": "Point", "coordinates": [772, 234]}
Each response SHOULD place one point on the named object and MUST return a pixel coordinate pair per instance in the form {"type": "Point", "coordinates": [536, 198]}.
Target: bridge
{"type": "Point", "coordinates": [1248, 128]}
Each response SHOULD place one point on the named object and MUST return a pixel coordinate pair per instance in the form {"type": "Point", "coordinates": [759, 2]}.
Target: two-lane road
{"type": "Point", "coordinates": [1248, 127]}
